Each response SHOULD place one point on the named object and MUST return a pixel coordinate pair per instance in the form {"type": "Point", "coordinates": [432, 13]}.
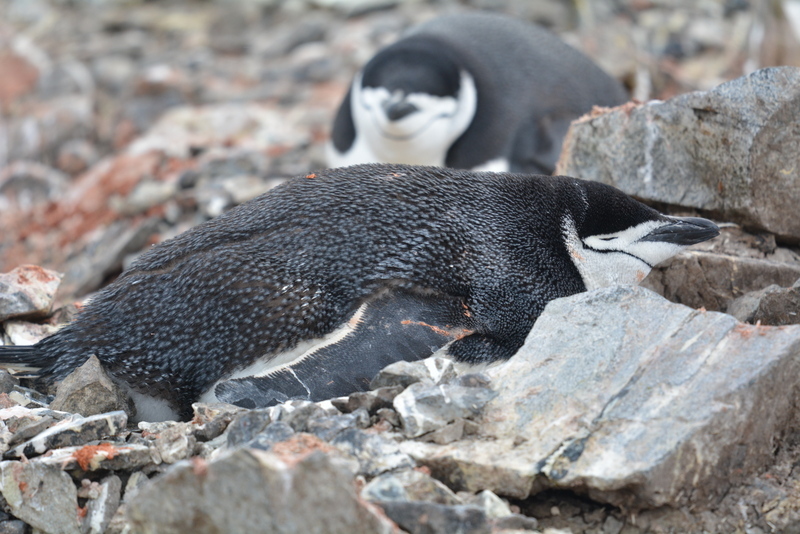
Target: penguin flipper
{"type": "Point", "coordinates": [400, 326]}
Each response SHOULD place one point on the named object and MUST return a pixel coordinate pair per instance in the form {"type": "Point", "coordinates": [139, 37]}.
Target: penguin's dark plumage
{"type": "Point", "coordinates": [474, 91]}
{"type": "Point", "coordinates": [310, 289]}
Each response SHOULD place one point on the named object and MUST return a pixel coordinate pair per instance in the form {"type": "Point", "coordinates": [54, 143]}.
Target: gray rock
{"type": "Point", "coordinates": [371, 401]}
{"type": "Point", "coordinates": [712, 281]}
{"type": "Point", "coordinates": [41, 495]}
{"type": "Point", "coordinates": [434, 369]}
{"type": "Point", "coordinates": [636, 401]}
{"type": "Point", "coordinates": [327, 428]}
{"type": "Point", "coordinates": [431, 518]}
{"type": "Point", "coordinates": [375, 454]}
{"type": "Point", "coordinates": [28, 184]}
{"type": "Point", "coordinates": [7, 381]}
{"type": "Point", "coordinates": [27, 291]}
{"type": "Point", "coordinates": [493, 505]}
{"type": "Point", "coordinates": [300, 414]}
{"type": "Point", "coordinates": [136, 482]}
{"type": "Point", "coordinates": [424, 407]}
{"type": "Point", "coordinates": [277, 493]}
{"type": "Point", "coordinates": [246, 426]}
{"type": "Point", "coordinates": [29, 398]}
{"type": "Point", "coordinates": [14, 526]}
{"type": "Point", "coordinates": [24, 423]}
{"type": "Point", "coordinates": [175, 443]}
{"type": "Point", "coordinates": [102, 456]}
{"type": "Point", "coordinates": [101, 508]}
{"type": "Point", "coordinates": [447, 434]}
{"type": "Point", "coordinates": [89, 391]}
{"type": "Point", "coordinates": [74, 430]}
{"type": "Point", "coordinates": [26, 333]}
{"type": "Point", "coordinates": [211, 420]}
{"type": "Point", "coordinates": [409, 485]}
{"type": "Point", "coordinates": [732, 150]}
{"type": "Point", "coordinates": [274, 433]}
{"type": "Point", "coordinates": [773, 305]}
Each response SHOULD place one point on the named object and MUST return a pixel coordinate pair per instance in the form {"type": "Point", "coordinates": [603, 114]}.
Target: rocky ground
{"type": "Point", "coordinates": [126, 123]}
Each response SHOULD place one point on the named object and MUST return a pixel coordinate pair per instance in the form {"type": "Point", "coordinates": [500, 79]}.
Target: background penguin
{"type": "Point", "coordinates": [308, 290]}
{"type": "Point", "coordinates": [473, 91]}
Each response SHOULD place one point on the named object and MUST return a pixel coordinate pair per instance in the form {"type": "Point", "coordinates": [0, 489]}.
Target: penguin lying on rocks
{"type": "Point", "coordinates": [474, 91]}
{"type": "Point", "coordinates": [310, 289]}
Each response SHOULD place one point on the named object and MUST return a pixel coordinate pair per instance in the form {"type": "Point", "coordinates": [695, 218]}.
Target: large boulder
{"type": "Point", "coordinates": [631, 399]}
{"type": "Point", "coordinates": [733, 150]}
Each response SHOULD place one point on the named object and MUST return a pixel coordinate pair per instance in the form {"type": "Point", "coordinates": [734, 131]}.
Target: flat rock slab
{"type": "Point", "coordinates": [634, 400]}
{"type": "Point", "coordinates": [249, 490]}
{"type": "Point", "coordinates": [27, 291]}
{"type": "Point", "coordinates": [732, 150]}
{"type": "Point", "coordinates": [74, 430]}
{"type": "Point", "coordinates": [41, 495]}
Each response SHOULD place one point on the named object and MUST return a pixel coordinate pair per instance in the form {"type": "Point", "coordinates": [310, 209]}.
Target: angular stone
{"type": "Point", "coordinates": [72, 431]}
{"type": "Point", "coordinates": [175, 443]}
{"type": "Point", "coordinates": [712, 281]}
{"type": "Point", "coordinates": [274, 433]}
{"type": "Point", "coordinates": [427, 517]}
{"type": "Point", "coordinates": [375, 454]}
{"type": "Point", "coordinates": [434, 369]}
{"type": "Point", "coordinates": [424, 407]}
{"type": "Point", "coordinates": [102, 508]}
{"type": "Point", "coordinates": [89, 391]}
{"type": "Point", "coordinates": [24, 423]}
{"type": "Point", "coordinates": [731, 150]}
{"type": "Point", "coordinates": [636, 401]}
{"type": "Point", "coordinates": [409, 485]}
{"type": "Point", "coordinates": [372, 401]}
{"type": "Point", "coordinates": [7, 381]}
{"type": "Point", "coordinates": [327, 428]}
{"type": "Point", "coordinates": [493, 505]}
{"type": "Point", "coordinates": [27, 291]}
{"type": "Point", "coordinates": [773, 305]}
{"type": "Point", "coordinates": [211, 420]}
{"type": "Point", "coordinates": [27, 333]}
{"type": "Point", "coordinates": [246, 426]}
{"type": "Point", "coordinates": [101, 456]}
{"type": "Point", "coordinates": [41, 495]}
{"type": "Point", "coordinates": [305, 493]}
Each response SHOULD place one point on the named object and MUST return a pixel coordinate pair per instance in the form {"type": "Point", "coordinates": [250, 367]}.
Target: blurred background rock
{"type": "Point", "coordinates": [125, 122]}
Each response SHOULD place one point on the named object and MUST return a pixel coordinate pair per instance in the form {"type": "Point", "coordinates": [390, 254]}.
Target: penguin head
{"type": "Point", "coordinates": [408, 105]}
{"type": "Point", "coordinates": [614, 239]}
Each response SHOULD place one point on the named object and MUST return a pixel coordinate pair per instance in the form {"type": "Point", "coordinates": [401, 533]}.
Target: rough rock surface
{"type": "Point", "coordinates": [732, 150]}
{"type": "Point", "coordinates": [27, 291]}
{"type": "Point", "coordinates": [43, 496]}
{"type": "Point", "coordinates": [773, 305]}
{"type": "Point", "coordinates": [221, 495]}
{"type": "Point", "coordinates": [631, 399]}
{"type": "Point", "coordinates": [89, 391]}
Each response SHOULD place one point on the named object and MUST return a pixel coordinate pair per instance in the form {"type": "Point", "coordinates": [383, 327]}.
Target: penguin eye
{"type": "Point", "coordinates": [608, 238]}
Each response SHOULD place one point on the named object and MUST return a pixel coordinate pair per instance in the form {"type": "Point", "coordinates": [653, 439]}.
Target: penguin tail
{"type": "Point", "coordinates": [25, 361]}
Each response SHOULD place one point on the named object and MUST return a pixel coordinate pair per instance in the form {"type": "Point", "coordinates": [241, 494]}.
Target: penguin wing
{"type": "Point", "coordinates": [395, 327]}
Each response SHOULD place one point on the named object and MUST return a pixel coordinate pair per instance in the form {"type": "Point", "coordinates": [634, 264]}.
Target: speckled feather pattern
{"type": "Point", "coordinates": [293, 264]}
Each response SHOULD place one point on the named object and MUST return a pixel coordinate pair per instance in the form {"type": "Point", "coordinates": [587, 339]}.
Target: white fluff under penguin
{"type": "Point", "coordinates": [473, 90]}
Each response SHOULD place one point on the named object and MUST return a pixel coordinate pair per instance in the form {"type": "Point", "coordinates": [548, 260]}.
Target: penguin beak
{"type": "Point", "coordinates": [684, 231]}
{"type": "Point", "coordinates": [397, 109]}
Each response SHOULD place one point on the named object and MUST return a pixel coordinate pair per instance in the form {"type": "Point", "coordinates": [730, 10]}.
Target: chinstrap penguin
{"type": "Point", "coordinates": [474, 90]}
{"type": "Point", "coordinates": [310, 289]}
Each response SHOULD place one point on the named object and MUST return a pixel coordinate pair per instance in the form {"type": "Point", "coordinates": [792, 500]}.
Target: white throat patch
{"type": "Point", "coordinates": [618, 258]}
{"type": "Point", "coordinates": [420, 138]}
